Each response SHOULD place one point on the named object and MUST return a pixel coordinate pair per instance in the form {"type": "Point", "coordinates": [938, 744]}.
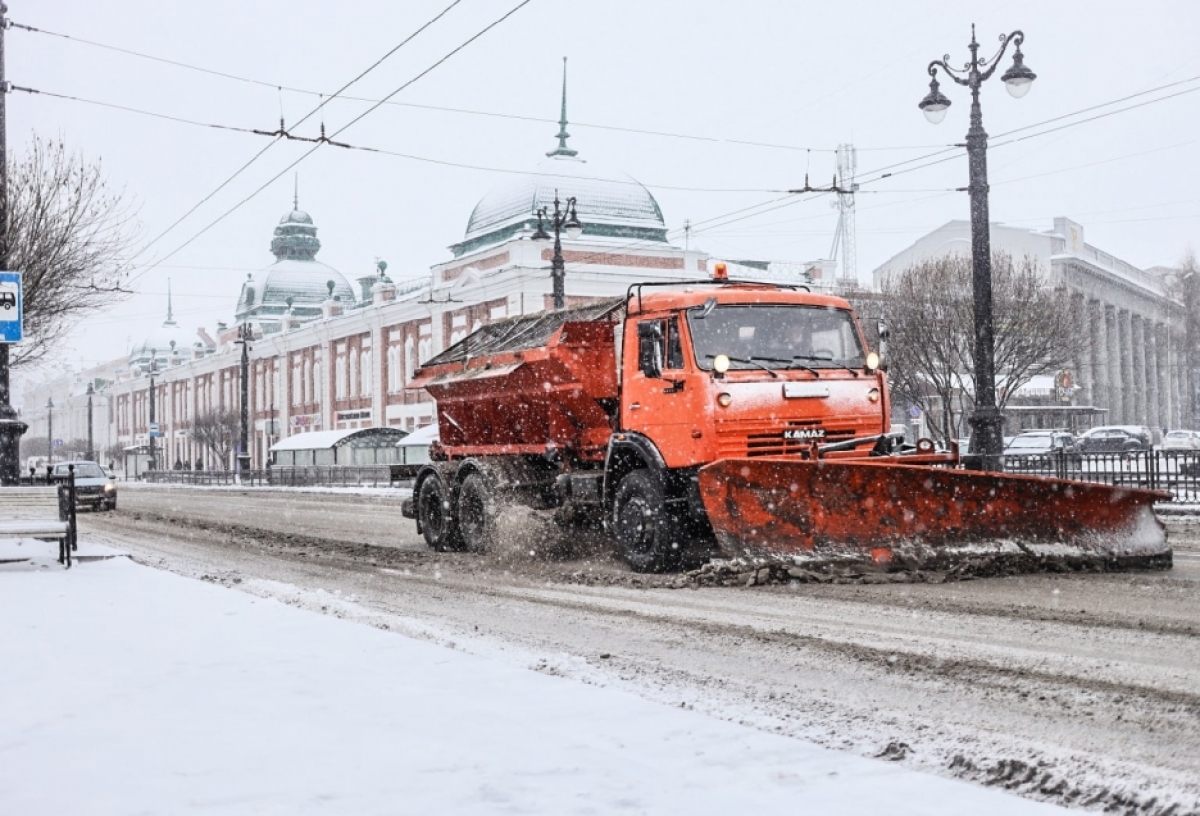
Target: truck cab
{"type": "Point", "coordinates": [728, 371]}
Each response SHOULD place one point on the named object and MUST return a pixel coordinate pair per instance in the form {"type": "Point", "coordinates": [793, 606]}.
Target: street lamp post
{"type": "Point", "coordinates": [91, 449]}
{"type": "Point", "coordinates": [11, 427]}
{"type": "Point", "coordinates": [559, 221]}
{"type": "Point", "coordinates": [152, 429]}
{"type": "Point", "coordinates": [49, 431]}
{"type": "Point", "coordinates": [987, 441]}
{"type": "Point", "coordinates": [243, 458]}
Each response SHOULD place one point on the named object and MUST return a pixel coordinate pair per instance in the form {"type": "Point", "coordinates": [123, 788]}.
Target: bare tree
{"type": "Point", "coordinates": [217, 431]}
{"type": "Point", "coordinates": [68, 233]}
{"type": "Point", "coordinates": [929, 311]}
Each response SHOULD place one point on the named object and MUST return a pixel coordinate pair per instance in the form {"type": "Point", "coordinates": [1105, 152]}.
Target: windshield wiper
{"type": "Point", "coordinates": [791, 363]}
{"type": "Point", "coordinates": [754, 362]}
{"type": "Point", "coordinates": [853, 371]}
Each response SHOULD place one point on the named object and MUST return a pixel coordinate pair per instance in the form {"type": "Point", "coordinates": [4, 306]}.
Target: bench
{"type": "Point", "coordinates": [42, 512]}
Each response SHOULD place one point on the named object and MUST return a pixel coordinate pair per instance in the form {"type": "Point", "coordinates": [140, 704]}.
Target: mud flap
{"type": "Point", "coordinates": [892, 516]}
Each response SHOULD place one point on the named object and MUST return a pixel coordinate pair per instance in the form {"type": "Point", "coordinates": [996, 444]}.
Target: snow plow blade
{"type": "Point", "coordinates": [869, 515]}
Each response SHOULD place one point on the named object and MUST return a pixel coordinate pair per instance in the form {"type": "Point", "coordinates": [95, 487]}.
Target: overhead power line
{"type": "Point", "coordinates": [283, 133]}
{"type": "Point", "coordinates": [443, 108]}
{"type": "Point", "coordinates": [340, 130]}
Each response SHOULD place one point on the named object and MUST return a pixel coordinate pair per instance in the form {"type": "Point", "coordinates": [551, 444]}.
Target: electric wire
{"type": "Point", "coordinates": [448, 109]}
{"type": "Point", "coordinates": [282, 132]}
{"type": "Point", "coordinates": [317, 146]}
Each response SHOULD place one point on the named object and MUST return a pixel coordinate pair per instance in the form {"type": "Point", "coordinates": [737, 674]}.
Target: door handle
{"type": "Point", "coordinates": [633, 406]}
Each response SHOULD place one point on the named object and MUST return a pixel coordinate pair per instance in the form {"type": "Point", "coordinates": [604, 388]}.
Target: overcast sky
{"type": "Point", "coordinates": [795, 78]}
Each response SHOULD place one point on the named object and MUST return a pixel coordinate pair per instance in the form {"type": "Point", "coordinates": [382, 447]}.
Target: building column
{"type": "Point", "coordinates": [1154, 415]}
{"type": "Point", "coordinates": [1177, 381]}
{"type": "Point", "coordinates": [1085, 369]}
{"type": "Point", "coordinates": [1137, 369]}
{"type": "Point", "coordinates": [1112, 329]}
{"type": "Point", "coordinates": [1098, 328]}
{"type": "Point", "coordinates": [378, 382]}
{"type": "Point", "coordinates": [1125, 355]}
{"type": "Point", "coordinates": [1162, 350]}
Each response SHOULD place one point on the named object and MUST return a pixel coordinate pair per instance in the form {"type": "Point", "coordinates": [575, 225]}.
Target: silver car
{"type": "Point", "coordinates": [1181, 440]}
{"type": "Point", "coordinates": [93, 487]}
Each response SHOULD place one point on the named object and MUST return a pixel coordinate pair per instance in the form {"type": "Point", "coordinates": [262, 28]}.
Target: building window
{"type": "Point", "coordinates": [368, 374]}
{"type": "Point", "coordinates": [393, 367]}
{"type": "Point", "coordinates": [339, 376]}
{"type": "Point", "coordinates": [353, 374]}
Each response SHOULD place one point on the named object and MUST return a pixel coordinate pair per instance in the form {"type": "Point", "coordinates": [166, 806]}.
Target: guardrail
{"type": "Point", "coordinates": [338, 476]}
{"type": "Point", "coordinates": [206, 477]}
{"type": "Point", "coordinates": [1176, 471]}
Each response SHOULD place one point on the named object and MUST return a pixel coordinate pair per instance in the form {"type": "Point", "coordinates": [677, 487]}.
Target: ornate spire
{"type": "Point", "coordinates": [170, 321]}
{"type": "Point", "coordinates": [296, 194]}
{"type": "Point", "coordinates": [562, 149]}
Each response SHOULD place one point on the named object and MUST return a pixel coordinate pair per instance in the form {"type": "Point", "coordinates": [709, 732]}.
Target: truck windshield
{"type": "Point", "coordinates": [784, 336]}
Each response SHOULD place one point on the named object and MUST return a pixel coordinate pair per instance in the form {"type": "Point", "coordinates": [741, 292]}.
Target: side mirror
{"type": "Point", "coordinates": [650, 348]}
{"type": "Point", "coordinates": [884, 333]}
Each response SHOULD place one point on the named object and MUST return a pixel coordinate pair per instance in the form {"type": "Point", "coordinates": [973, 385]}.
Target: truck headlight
{"type": "Point", "coordinates": [872, 361]}
{"type": "Point", "coordinates": [873, 395]}
{"type": "Point", "coordinates": [724, 399]}
{"type": "Point", "coordinates": [721, 363]}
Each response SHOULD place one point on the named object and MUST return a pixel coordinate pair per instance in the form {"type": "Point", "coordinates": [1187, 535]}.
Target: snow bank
{"type": "Point", "coordinates": [129, 690]}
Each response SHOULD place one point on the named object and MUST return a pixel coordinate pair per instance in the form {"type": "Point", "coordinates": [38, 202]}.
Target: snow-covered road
{"type": "Point", "coordinates": [1075, 689]}
{"type": "Point", "coordinates": [131, 690]}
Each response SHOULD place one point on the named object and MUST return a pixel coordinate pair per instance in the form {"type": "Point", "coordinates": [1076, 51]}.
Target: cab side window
{"type": "Point", "coordinates": [674, 344]}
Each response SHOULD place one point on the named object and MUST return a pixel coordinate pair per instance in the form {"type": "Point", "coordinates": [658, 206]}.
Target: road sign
{"type": "Point", "coordinates": [155, 433]}
{"type": "Point", "coordinates": [914, 411]}
{"type": "Point", "coordinates": [12, 306]}
{"type": "Point", "coordinates": [58, 443]}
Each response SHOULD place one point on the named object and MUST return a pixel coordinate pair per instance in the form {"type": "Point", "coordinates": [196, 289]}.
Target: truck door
{"type": "Point", "coordinates": [660, 390]}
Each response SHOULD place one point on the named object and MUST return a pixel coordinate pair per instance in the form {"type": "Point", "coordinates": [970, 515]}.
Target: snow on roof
{"type": "Point", "coordinates": [324, 440]}
{"type": "Point", "coordinates": [421, 436]}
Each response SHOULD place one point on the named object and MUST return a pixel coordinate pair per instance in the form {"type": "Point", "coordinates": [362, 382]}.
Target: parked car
{"type": "Point", "coordinates": [1040, 443]}
{"type": "Point", "coordinates": [1181, 440]}
{"type": "Point", "coordinates": [93, 487]}
{"type": "Point", "coordinates": [1112, 440]}
{"type": "Point", "coordinates": [1141, 433]}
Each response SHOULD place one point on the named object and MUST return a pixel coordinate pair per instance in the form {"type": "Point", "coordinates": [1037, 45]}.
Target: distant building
{"type": "Point", "coordinates": [1135, 364]}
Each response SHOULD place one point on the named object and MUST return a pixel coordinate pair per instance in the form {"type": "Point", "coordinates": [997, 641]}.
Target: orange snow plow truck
{"type": "Point", "coordinates": [743, 418]}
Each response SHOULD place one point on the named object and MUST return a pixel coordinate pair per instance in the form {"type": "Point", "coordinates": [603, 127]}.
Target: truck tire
{"type": "Point", "coordinates": [436, 515]}
{"type": "Point", "coordinates": [642, 525]}
{"type": "Point", "coordinates": [476, 514]}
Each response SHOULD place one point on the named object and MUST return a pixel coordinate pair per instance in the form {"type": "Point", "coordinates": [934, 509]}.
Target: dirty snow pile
{"type": "Point", "coordinates": [124, 690]}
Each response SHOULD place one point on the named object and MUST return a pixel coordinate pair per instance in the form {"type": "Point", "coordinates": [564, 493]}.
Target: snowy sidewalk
{"type": "Point", "coordinates": [127, 690]}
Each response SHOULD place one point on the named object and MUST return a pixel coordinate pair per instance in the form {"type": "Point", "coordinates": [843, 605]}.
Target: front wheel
{"type": "Point", "coordinates": [642, 525]}
{"type": "Point", "coordinates": [476, 514]}
{"type": "Point", "coordinates": [434, 511]}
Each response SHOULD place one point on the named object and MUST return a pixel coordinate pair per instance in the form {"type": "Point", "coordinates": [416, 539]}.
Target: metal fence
{"type": "Point", "coordinates": [340, 476]}
{"type": "Point", "coordinates": [1176, 471]}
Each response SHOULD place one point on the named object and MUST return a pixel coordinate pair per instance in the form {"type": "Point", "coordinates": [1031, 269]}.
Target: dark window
{"type": "Point", "coordinates": [674, 344]}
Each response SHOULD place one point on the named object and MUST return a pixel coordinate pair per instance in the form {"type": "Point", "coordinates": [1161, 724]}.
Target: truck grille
{"type": "Point", "coordinates": [768, 438]}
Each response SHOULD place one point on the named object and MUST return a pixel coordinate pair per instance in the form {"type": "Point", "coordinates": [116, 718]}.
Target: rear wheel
{"type": "Point", "coordinates": [436, 515]}
{"type": "Point", "coordinates": [476, 513]}
{"type": "Point", "coordinates": [642, 525]}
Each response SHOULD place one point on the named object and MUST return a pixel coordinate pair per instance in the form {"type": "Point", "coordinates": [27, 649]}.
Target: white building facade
{"type": "Point", "coordinates": [1135, 363]}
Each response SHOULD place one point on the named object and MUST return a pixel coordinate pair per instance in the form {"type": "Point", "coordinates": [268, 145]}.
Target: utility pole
{"type": "Point", "coordinates": [153, 431]}
{"type": "Point", "coordinates": [49, 431]}
{"type": "Point", "coordinates": [91, 449]}
{"type": "Point", "coordinates": [243, 457]}
{"type": "Point", "coordinates": [11, 428]}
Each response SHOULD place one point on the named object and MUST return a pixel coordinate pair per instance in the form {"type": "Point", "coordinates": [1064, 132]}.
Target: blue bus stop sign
{"type": "Point", "coordinates": [12, 305]}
